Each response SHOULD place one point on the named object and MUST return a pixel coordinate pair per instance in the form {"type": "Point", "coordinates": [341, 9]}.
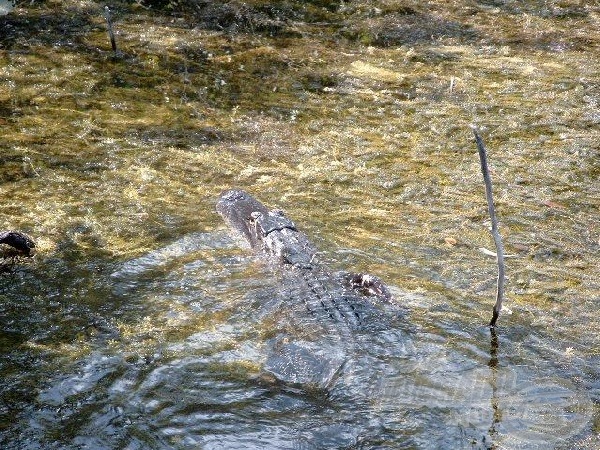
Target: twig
{"type": "Point", "coordinates": [497, 238]}
{"type": "Point", "coordinates": [110, 29]}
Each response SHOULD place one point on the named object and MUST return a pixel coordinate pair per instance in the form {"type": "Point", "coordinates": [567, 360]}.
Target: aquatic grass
{"type": "Point", "coordinates": [125, 146]}
{"type": "Point", "coordinates": [349, 126]}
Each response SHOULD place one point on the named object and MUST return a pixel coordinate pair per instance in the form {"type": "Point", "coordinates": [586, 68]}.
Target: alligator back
{"type": "Point", "coordinates": [331, 318]}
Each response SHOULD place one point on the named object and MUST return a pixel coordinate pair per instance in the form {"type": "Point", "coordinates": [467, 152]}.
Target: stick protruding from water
{"type": "Point", "coordinates": [496, 235]}
{"type": "Point", "coordinates": [111, 34]}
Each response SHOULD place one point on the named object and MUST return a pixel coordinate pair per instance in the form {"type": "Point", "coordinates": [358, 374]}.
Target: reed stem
{"type": "Point", "coordinates": [495, 233]}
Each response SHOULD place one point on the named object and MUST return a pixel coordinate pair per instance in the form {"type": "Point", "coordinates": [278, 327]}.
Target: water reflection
{"type": "Point", "coordinates": [174, 383]}
{"type": "Point", "coordinates": [494, 403]}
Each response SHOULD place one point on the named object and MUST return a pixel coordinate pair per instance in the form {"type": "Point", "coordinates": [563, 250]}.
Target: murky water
{"type": "Point", "coordinates": [6, 6]}
{"type": "Point", "coordinates": [141, 323]}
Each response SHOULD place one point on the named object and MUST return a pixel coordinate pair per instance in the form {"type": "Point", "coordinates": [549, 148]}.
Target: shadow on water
{"type": "Point", "coordinates": [63, 28]}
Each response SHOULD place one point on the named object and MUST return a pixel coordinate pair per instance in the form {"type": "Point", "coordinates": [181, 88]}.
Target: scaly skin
{"type": "Point", "coordinates": [339, 317]}
{"type": "Point", "coordinates": [271, 233]}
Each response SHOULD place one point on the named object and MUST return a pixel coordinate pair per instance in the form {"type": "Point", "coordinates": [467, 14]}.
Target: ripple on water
{"type": "Point", "coordinates": [432, 398]}
{"type": "Point", "coordinates": [218, 385]}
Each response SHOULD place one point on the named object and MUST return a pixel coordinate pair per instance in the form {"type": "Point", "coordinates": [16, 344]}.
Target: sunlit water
{"type": "Point", "coordinates": [157, 382]}
{"type": "Point", "coordinates": [142, 323]}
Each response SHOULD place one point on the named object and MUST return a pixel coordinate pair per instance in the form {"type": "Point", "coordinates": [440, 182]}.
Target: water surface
{"type": "Point", "coordinates": [141, 323]}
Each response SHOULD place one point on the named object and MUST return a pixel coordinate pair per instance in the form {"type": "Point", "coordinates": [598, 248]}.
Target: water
{"type": "Point", "coordinates": [141, 323]}
{"type": "Point", "coordinates": [184, 368]}
{"type": "Point", "coordinates": [6, 6]}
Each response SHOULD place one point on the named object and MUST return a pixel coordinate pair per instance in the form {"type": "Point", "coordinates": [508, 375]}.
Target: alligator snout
{"type": "Point", "coordinates": [239, 209]}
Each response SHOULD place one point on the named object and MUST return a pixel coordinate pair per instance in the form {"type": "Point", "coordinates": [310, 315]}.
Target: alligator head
{"type": "Point", "coordinates": [264, 229]}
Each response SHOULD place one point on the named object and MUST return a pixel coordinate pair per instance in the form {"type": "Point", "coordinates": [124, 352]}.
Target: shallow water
{"type": "Point", "coordinates": [6, 6]}
{"type": "Point", "coordinates": [142, 323]}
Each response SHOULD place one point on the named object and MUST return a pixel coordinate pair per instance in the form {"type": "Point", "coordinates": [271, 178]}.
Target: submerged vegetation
{"type": "Point", "coordinates": [370, 103]}
{"type": "Point", "coordinates": [352, 115]}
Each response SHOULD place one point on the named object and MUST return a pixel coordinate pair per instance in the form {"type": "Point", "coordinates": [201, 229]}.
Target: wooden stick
{"type": "Point", "coordinates": [497, 238]}
{"type": "Point", "coordinates": [110, 29]}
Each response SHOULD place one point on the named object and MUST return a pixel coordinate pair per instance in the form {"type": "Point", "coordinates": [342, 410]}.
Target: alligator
{"type": "Point", "coordinates": [349, 313]}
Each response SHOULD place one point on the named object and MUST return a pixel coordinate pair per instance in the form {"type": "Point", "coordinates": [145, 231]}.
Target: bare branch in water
{"type": "Point", "coordinates": [497, 238]}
